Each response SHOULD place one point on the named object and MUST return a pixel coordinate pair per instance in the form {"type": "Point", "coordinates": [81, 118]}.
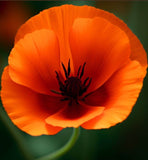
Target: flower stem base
{"type": "Point", "coordinates": [65, 148]}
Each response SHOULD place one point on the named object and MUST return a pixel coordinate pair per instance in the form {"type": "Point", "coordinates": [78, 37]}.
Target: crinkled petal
{"type": "Point", "coordinates": [124, 88]}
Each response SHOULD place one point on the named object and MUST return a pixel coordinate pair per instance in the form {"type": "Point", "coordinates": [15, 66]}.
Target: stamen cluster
{"type": "Point", "coordinates": [72, 88]}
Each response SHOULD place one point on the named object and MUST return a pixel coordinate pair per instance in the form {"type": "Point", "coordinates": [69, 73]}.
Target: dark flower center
{"type": "Point", "coordinates": [73, 87]}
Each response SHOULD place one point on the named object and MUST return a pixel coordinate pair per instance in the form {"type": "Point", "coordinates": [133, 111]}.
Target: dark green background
{"type": "Point", "coordinates": [125, 141]}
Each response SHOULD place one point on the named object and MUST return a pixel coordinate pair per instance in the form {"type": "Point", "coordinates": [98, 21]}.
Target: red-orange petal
{"type": "Point", "coordinates": [103, 46]}
{"type": "Point", "coordinates": [125, 86]}
{"type": "Point", "coordinates": [74, 115]}
{"type": "Point", "coordinates": [34, 59]}
{"type": "Point", "coordinates": [28, 109]}
{"type": "Point", "coordinates": [61, 18]}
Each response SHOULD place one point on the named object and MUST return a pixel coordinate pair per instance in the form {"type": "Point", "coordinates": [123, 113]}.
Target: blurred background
{"type": "Point", "coordinates": [125, 141]}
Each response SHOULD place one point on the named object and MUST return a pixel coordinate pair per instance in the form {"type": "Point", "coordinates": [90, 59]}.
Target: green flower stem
{"type": "Point", "coordinates": [15, 134]}
{"type": "Point", "coordinates": [65, 148]}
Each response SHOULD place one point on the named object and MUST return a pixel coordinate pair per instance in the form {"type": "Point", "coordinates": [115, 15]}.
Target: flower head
{"type": "Point", "coordinates": [72, 66]}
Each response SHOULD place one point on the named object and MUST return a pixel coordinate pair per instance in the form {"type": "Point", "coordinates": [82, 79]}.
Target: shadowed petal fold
{"type": "Point", "coordinates": [74, 115]}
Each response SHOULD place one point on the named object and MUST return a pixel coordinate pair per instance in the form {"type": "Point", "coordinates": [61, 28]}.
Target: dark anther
{"type": "Point", "coordinates": [59, 81]}
{"type": "Point", "coordinates": [82, 72]}
{"type": "Point", "coordinates": [68, 67]}
{"type": "Point", "coordinates": [78, 71]}
{"type": "Point", "coordinates": [65, 71]}
{"type": "Point", "coordinates": [85, 81]}
{"type": "Point", "coordinates": [72, 87]}
{"type": "Point", "coordinates": [88, 83]}
{"type": "Point", "coordinates": [86, 86]}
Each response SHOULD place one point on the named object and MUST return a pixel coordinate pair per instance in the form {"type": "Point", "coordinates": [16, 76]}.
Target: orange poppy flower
{"type": "Point", "coordinates": [72, 66]}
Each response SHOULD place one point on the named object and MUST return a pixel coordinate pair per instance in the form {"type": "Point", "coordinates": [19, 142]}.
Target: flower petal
{"type": "Point", "coordinates": [60, 19]}
{"type": "Point", "coordinates": [33, 61]}
{"type": "Point", "coordinates": [125, 86]}
{"type": "Point", "coordinates": [28, 109]}
{"type": "Point", "coordinates": [100, 96]}
{"type": "Point", "coordinates": [74, 115]}
{"type": "Point", "coordinates": [103, 46]}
